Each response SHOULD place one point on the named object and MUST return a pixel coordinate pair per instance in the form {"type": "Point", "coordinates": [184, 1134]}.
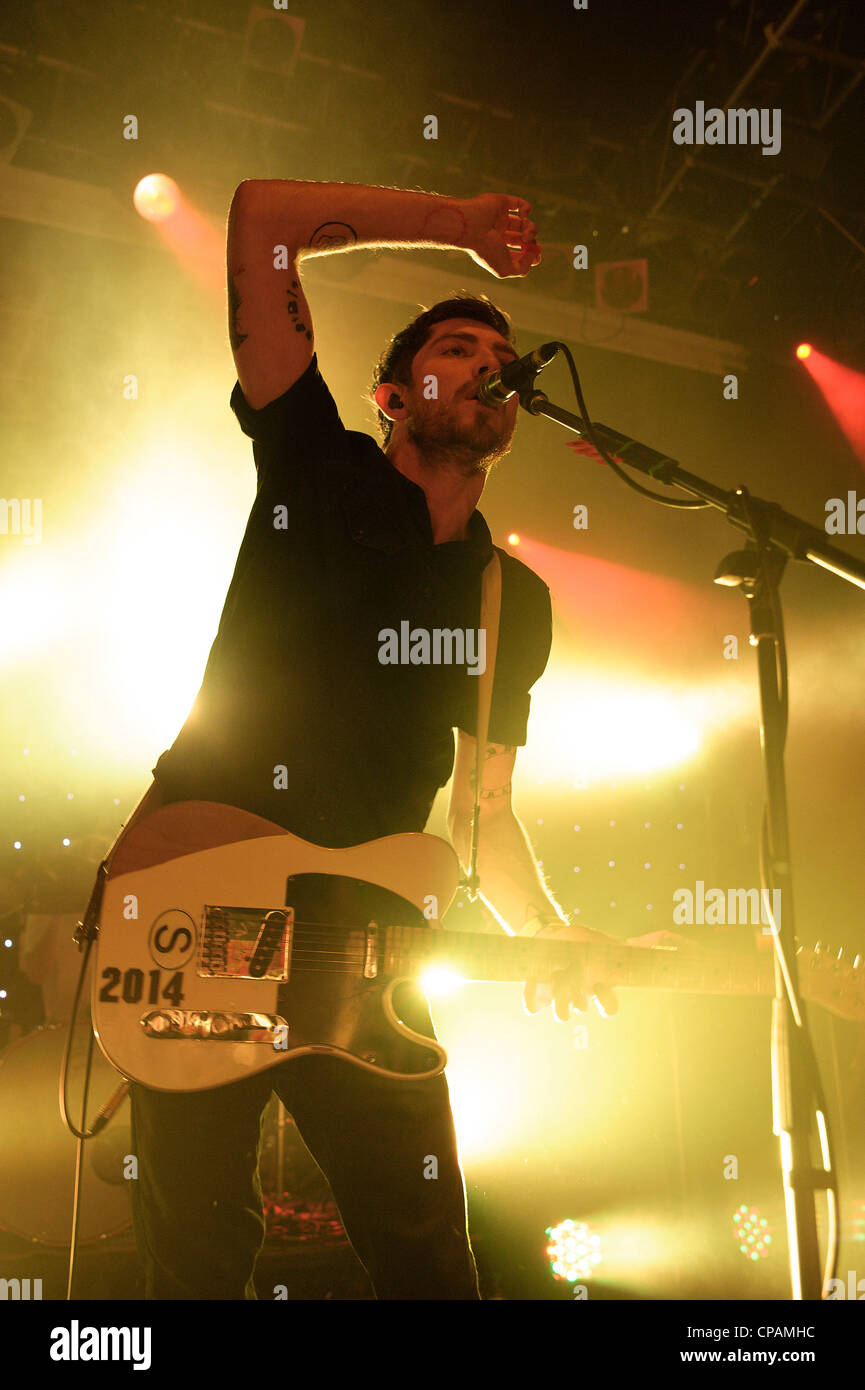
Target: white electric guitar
{"type": "Point", "coordinates": [227, 945]}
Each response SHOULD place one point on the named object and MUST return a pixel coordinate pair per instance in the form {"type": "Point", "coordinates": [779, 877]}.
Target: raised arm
{"type": "Point", "coordinates": [275, 223]}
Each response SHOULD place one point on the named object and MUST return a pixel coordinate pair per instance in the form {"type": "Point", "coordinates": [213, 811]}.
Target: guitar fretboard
{"type": "Point", "coordinates": [407, 951]}
{"type": "Point", "coordinates": [512, 958]}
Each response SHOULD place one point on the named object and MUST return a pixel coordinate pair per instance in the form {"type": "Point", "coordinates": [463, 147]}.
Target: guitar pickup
{"type": "Point", "coordinates": [245, 943]}
{"type": "Point", "coordinates": [186, 1024]}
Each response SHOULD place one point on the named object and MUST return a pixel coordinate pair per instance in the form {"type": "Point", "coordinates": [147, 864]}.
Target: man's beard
{"type": "Point", "coordinates": [469, 446]}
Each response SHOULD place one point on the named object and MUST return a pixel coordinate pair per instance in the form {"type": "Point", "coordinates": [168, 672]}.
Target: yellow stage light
{"type": "Point", "coordinates": [37, 610]}
{"type": "Point", "coordinates": [438, 981]}
{"type": "Point", "coordinates": [590, 728]}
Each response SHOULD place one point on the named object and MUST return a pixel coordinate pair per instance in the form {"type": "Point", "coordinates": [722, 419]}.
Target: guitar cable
{"type": "Point", "coordinates": [82, 1134]}
{"type": "Point", "coordinates": [85, 935]}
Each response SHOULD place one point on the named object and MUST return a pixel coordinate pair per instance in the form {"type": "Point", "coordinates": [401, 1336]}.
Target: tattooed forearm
{"type": "Point", "coordinates": [235, 336]}
{"type": "Point", "coordinates": [330, 236]}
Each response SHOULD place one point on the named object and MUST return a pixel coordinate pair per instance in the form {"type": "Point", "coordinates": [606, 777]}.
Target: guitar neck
{"type": "Point", "coordinates": [511, 958]}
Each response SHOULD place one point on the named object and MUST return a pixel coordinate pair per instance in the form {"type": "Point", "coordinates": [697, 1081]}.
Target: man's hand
{"type": "Point", "coordinates": [500, 235]}
{"type": "Point", "coordinates": [573, 989]}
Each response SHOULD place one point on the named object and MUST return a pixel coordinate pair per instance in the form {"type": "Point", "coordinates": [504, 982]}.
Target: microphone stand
{"type": "Point", "coordinates": [774, 536]}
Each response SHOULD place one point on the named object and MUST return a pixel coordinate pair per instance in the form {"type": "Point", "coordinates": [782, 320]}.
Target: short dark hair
{"type": "Point", "coordinates": [395, 362]}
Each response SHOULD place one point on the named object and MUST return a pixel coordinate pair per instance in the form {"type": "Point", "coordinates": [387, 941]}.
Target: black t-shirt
{"type": "Point", "coordinates": [297, 718]}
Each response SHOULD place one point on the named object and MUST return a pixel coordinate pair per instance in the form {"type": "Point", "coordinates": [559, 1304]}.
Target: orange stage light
{"type": "Point", "coordinates": [156, 197]}
{"type": "Point", "coordinates": [188, 234]}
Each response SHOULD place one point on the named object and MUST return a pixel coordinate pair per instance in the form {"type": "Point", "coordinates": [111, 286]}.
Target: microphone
{"type": "Point", "coordinates": [499, 386]}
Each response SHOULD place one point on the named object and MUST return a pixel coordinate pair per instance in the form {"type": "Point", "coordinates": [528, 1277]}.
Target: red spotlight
{"type": "Point", "coordinates": [156, 197]}
{"type": "Point", "coordinates": [803, 351]}
{"type": "Point", "coordinates": [843, 390]}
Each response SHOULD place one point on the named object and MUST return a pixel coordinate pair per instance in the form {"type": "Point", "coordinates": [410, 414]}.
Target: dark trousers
{"type": "Point", "coordinates": [197, 1202]}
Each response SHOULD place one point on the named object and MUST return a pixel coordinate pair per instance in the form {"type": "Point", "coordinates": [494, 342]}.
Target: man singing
{"type": "Point", "coordinates": [298, 720]}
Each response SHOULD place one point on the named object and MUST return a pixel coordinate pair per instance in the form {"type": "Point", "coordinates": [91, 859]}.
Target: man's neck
{"type": "Point", "coordinates": [451, 496]}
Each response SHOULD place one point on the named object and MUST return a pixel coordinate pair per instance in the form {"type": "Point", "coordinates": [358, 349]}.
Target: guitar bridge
{"type": "Point", "coordinates": [244, 943]}
{"type": "Point", "coordinates": [172, 1024]}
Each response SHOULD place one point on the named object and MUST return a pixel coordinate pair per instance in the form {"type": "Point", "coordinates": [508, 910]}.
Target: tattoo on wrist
{"type": "Point", "coordinates": [331, 235]}
{"type": "Point", "coordinates": [488, 791]}
{"type": "Point", "coordinates": [446, 225]}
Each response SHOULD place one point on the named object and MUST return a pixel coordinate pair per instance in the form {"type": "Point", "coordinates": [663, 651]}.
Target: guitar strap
{"type": "Point", "coordinates": [491, 605]}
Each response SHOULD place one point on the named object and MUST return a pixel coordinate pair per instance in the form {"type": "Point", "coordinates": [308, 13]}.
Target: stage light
{"type": "Point", "coordinates": [574, 1250]}
{"type": "Point", "coordinates": [438, 981]}
{"type": "Point", "coordinates": [43, 608]}
{"type": "Point", "coordinates": [803, 351]}
{"type": "Point", "coordinates": [752, 1233]}
{"type": "Point", "coordinates": [843, 389]}
{"type": "Point", "coordinates": [196, 241]}
{"type": "Point", "coordinates": [513, 538]}
{"type": "Point", "coordinates": [156, 197]}
{"type": "Point", "coordinates": [592, 729]}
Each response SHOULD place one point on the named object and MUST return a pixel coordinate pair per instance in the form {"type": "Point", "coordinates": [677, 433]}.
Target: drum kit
{"type": "Point", "coordinates": [37, 1153]}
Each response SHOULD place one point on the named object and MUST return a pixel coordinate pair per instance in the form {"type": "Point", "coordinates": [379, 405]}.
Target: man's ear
{"type": "Point", "coordinates": [389, 400]}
